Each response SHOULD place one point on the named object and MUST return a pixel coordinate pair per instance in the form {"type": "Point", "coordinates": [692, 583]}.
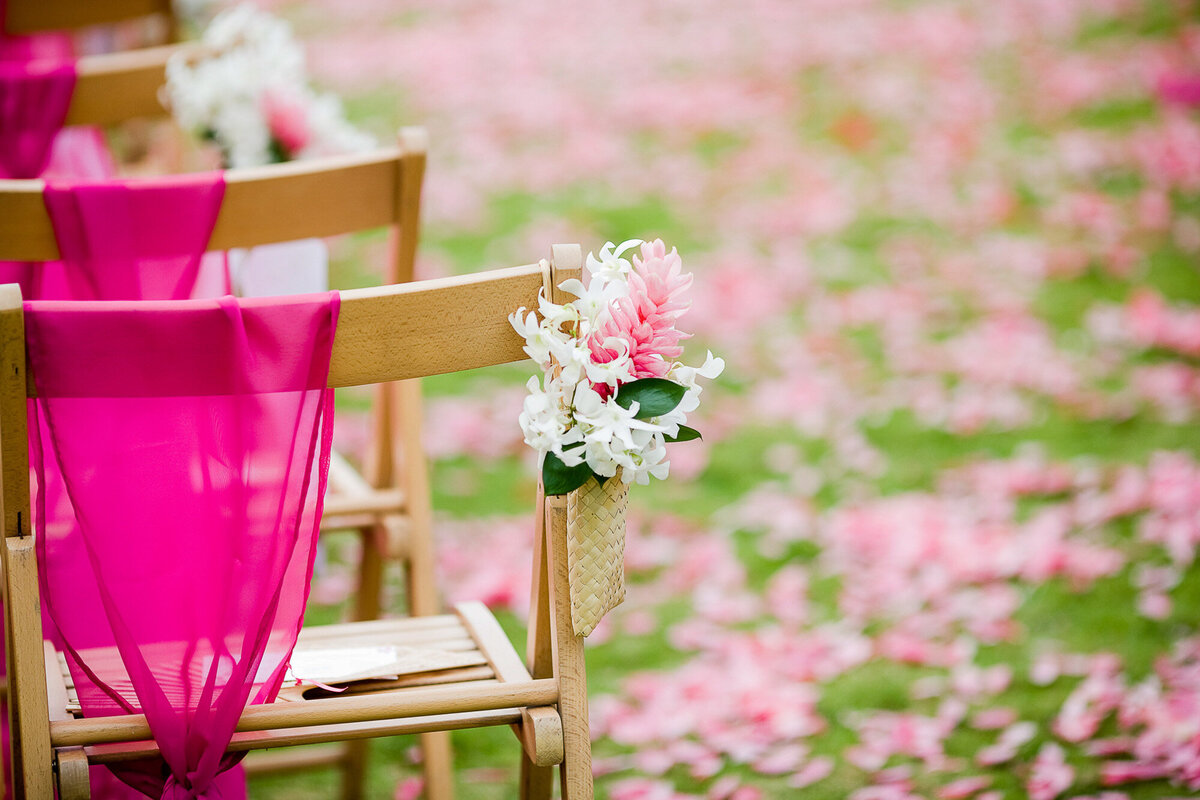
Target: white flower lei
{"type": "Point", "coordinates": [249, 55]}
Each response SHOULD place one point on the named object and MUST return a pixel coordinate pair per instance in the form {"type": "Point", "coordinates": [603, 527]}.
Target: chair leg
{"type": "Point", "coordinates": [576, 772]}
{"type": "Point", "coordinates": [354, 769]}
{"type": "Point", "coordinates": [536, 782]}
{"type": "Point", "coordinates": [437, 761]}
{"type": "Point", "coordinates": [369, 599]}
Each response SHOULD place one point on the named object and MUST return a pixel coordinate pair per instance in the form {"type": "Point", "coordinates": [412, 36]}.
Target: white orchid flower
{"type": "Point", "coordinates": [543, 419]}
{"type": "Point", "coordinates": [610, 266]}
{"type": "Point", "coordinates": [606, 421]}
{"type": "Point", "coordinates": [712, 368]}
{"type": "Point", "coordinates": [556, 315]}
{"type": "Point", "coordinates": [540, 340]}
{"type": "Point", "coordinates": [593, 301]}
{"type": "Point", "coordinates": [653, 461]}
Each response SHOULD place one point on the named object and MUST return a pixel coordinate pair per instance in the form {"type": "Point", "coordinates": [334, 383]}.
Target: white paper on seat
{"type": "Point", "coordinates": [333, 665]}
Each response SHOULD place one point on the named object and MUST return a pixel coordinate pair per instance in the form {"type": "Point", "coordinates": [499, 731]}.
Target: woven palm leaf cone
{"type": "Point", "coordinates": [596, 550]}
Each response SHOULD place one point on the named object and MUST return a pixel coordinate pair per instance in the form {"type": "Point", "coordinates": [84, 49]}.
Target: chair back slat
{"type": "Point", "coordinates": [115, 87]}
{"type": "Point", "coordinates": [413, 330]}
{"type": "Point", "coordinates": [277, 203]}
{"type": "Point", "coordinates": [431, 327]}
{"type": "Point", "coordinates": [34, 16]}
{"type": "Point", "coordinates": [303, 199]}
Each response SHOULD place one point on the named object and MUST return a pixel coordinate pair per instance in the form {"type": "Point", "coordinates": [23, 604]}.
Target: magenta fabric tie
{"type": "Point", "coordinates": [34, 98]}
{"type": "Point", "coordinates": [198, 503]}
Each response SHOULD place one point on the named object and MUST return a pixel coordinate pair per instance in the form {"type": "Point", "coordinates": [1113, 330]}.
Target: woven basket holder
{"type": "Point", "coordinates": [596, 550]}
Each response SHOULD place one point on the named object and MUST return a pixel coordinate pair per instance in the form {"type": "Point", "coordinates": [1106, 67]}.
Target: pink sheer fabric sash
{"type": "Point", "coordinates": [123, 240]}
{"type": "Point", "coordinates": [180, 591]}
{"type": "Point", "coordinates": [25, 115]}
{"type": "Point", "coordinates": [130, 239]}
{"type": "Point", "coordinates": [37, 82]}
{"type": "Point", "coordinates": [139, 239]}
{"type": "Point", "coordinates": [34, 98]}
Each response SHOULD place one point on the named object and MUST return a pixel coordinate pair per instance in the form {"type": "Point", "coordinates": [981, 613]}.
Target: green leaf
{"type": "Point", "coordinates": [654, 396]}
{"type": "Point", "coordinates": [685, 434]}
{"type": "Point", "coordinates": [558, 478]}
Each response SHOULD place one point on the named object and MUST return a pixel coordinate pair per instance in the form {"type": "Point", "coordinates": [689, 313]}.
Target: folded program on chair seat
{"type": "Point", "coordinates": [196, 492]}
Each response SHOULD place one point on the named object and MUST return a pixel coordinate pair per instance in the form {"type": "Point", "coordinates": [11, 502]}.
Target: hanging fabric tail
{"type": "Point", "coordinates": [130, 239]}
{"type": "Point", "coordinates": [34, 98]}
{"type": "Point", "coordinates": [197, 504]}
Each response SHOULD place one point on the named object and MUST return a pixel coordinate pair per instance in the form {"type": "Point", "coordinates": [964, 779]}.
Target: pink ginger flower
{"type": "Point", "coordinates": [658, 278]}
{"type": "Point", "coordinates": [644, 320]}
{"type": "Point", "coordinates": [287, 121]}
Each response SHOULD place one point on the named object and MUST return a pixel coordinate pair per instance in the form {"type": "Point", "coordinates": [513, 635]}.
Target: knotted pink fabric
{"type": "Point", "coordinates": [180, 591]}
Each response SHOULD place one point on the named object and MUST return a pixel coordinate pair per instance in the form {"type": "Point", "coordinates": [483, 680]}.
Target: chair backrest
{"type": "Point", "coordinates": [383, 334]}
{"type": "Point", "coordinates": [115, 87]}
{"type": "Point", "coordinates": [36, 16]}
{"type": "Point", "coordinates": [276, 203]}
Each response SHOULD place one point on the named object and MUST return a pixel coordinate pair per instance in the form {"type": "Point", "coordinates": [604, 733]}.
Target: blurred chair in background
{"type": "Point", "coordinates": [387, 504]}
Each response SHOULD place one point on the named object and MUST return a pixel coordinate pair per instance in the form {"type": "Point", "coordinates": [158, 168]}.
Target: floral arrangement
{"type": "Point", "coordinates": [612, 395]}
{"type": "Point", "coordinates": [248, 93]}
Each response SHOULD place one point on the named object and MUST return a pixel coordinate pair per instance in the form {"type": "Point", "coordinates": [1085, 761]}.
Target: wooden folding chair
{"type": "Point", "coordinates": [38, 16]}
{"type": "Point", "coordinates": [389, 502]}
{"type": "Point", "coordinates": [394, 333]}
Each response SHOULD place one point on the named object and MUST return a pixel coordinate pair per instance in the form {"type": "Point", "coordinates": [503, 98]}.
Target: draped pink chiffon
{"type": "Point", "coordinates": [138, 239]}
{"type": "Point", "coordinates": [180, 591]}
{"type": "Point", "coordinates": [34, 98]}
{"type": "Point", "coordinates": [127, 240]}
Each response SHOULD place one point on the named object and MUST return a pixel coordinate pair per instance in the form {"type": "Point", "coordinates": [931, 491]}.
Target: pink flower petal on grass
{"type": "Point", "coordinates": [409, 789]}
{"type": "Point", "coordinates": [1051, 775]}
{"type": "Point", "coordinates": [964, 788]}
{"type": "Point", "coordinates": [991, 719]}
{"type": "Point", "coordinates": [816, 770]}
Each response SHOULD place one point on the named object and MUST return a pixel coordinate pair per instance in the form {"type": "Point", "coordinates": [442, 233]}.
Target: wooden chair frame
{"type": "Point", "coordinates": [386, 334]}
{"type": "Point", "coordinates": [388, 504]}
